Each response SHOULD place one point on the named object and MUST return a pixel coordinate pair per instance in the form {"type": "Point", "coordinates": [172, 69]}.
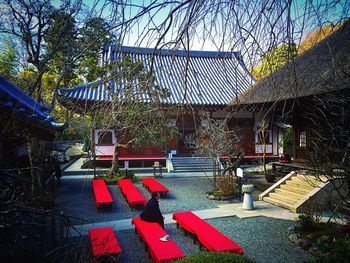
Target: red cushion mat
{"type": "Point", "coordinates": [208, 235]}
{"type": "Point", "coordinates": [251, 155]}
{"type": "Point", "coordinates": [101, 193]}
{"type": "Point", "coordinates": [159, 250]}
{"type": "Point", "coordinates": [131, 157]}
{"type": "Point", "coordinates": [132, 194]}
{"type": "Point", "coordinates": [103, 241]}
{"type": "Point", "coordinates": [154, 186]}
{"type": "Point", "coordinates": [185, 221]}
{"type": "Point", "coordinates": [123, 183]}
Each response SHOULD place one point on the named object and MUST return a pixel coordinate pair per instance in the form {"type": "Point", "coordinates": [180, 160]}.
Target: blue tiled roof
{"type": "Point", "coordinates": [191, 77]}
{"type": "Point", "coordinates": [24, 107]}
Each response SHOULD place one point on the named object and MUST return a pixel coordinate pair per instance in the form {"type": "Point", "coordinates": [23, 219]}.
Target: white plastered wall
{"type": "Point", "coordinates": [104, 150]}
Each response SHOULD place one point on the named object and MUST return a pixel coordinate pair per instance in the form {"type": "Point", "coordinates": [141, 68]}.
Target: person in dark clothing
{"type": "Point", "coordinates": [58, 173]}
{"type": "Point", "coordinates": [152, 212]}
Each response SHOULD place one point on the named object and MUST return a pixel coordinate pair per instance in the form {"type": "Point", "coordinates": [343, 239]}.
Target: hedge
{"type": "Point", "coordinates": [214, 257]}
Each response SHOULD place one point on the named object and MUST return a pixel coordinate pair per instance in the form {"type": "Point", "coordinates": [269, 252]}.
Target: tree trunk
{"type": "Point", "coordinates": [214, 172]}
{"type": "Point", "coordinates": [31, 163]}
{"type": "Point", "coordinates": [94, 163]}
{"type": "Point", "coordinates": [264, 158]}
{"type": "Point", "coordinates": [53, 100]}
{"type": "Point", "coordinates": [115, 165]}
{"type": "Point", "coordinates": [36, 86]}
{"type": "Point", "coordinates": [263, 137]}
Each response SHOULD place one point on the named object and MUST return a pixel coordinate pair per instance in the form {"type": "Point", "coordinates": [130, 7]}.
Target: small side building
{"type": "Point", "coordinates": [22, 121]}
{"type": "Point", "coordinates": [27, 196]}
{"type": "Point", "coordinates": [310, 94]}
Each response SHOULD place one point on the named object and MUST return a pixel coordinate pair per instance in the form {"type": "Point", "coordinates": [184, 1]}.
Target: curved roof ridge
{"type": "Point", "coordinates": [84, 85]}
{"type": "Point", "coordinates": [173, 52]}
{"type": "Point", "coordinates": [26, 108]}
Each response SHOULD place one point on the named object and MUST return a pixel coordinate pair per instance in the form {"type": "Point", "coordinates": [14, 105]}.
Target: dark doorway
{"type": "Point", "coordinates": [187, 126]}
{"type": "Point", "coordinates": [187, 143]}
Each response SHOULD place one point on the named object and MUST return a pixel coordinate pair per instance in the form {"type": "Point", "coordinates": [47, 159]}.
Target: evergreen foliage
{"type": "Point", "coordinates": [275, 59]}
{"type": "Point", "coordinates": [8, 57]}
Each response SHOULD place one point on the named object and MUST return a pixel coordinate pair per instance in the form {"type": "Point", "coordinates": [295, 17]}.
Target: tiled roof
{"type": "Point", "coordinates": [192, 78]}
{"type": "Point", "coordinates": [25, 108]}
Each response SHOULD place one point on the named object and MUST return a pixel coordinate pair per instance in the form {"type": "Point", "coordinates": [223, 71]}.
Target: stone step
{"type": "Point", "coordinates": [304, 185]}
{"type": "Point", "coordinates": [193, 162]}
{"type": "Point", "coordinates": [295, 189]}
{"type": "Point", "coordinates": [192, 168]}
{"type": "Point", "coordinates": [189, 164]}
{"type": "Point", "coordinates": [306, 180]}
{"type": "Point", "coordinates": [311, 177]}
{"type": "Point", "coordinates": [280, 203]}
{"type": "Point", "coordinates": [208, 172]}
{"type": "Point", "coordinates": [289, 193]}
{"type": "Point", "coordinates": [190, 159]}
{"type": "Point", "coordinates": [322, 178]}
{"type": "Point", "coordinates": [284, 198]}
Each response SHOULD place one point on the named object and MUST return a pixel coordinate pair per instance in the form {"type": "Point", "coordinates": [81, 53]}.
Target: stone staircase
{"type": "Point", "coordinates": [192, 164]}
{"type": "Point", "coordinates": [292, 191]}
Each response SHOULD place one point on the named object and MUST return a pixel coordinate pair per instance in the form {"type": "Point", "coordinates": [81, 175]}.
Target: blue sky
{"type": "Point", "coordinates": [225, 35]}
{"type": "Point", "coordinates": [226, 38]}
{"type": "Point", "coordinates": [199, 40]}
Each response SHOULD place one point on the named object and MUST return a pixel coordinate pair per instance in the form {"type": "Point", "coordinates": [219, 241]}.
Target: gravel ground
{"type": "Point", "coordinates": [75, 198]}
{"type": "Point", "coordinates": [263, 239]}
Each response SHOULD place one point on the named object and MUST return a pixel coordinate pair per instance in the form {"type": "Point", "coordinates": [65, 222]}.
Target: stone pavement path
{"type": "Point", "coordinates": [226, 210]}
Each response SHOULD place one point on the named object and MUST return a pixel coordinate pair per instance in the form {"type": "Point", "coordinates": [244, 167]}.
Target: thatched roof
{"type": "Point", "coordinates": [323, 68]}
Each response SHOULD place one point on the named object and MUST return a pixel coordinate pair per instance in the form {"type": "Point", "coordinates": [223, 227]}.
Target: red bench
{"type": "Point", "coordinates": [104, 242]}
{"type": "Point", "coordinates": [102, 196]}
{"type": "Point", "coordinates": [208, 236]}
{"type": "Point", "coordinates": [150, 233]}
{"type": "Point", "coordinates": [154, 186]}
{"type": "Point", "coordinates": [131, 193]}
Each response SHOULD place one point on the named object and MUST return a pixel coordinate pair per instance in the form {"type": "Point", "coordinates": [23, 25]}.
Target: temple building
{"type": "Point", "coordinates": [200, 83]}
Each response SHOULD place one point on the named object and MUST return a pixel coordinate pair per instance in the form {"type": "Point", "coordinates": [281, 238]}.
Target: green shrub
{"type": "Point", "coordinates": [334, 252]}
{"type": "Point", "coordinates": [220, 193]}
{"type": "Point", "coordinates": [122, 173]}
{"type": "Point", "coordinates": [108, 179]}
{"type": "Point", "coordinates": [217, 193]}
{"type": "Point", "coordinates": [214, 257]}
{"type": "Point", "coordinates": [305, 222]}
{"type": "Point", "coordinates": [114, 178]}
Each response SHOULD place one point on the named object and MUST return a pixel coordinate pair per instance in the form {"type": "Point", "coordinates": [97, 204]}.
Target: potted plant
{"type": "Point", "coordinates": [287, 144]}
